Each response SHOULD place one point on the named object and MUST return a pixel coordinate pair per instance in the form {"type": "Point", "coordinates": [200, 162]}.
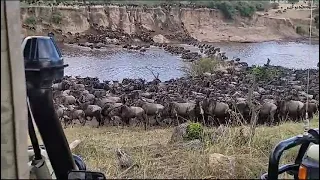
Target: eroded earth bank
{"type": "Point", "coordinates": [162, 24]}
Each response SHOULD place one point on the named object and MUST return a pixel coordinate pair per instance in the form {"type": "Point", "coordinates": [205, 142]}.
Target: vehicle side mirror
{"type": "Point", "coordinates": [83, 175]}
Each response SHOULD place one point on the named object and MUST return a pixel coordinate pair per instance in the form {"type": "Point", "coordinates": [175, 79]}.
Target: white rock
{"type": "Point", "coordinates": [222, 163]}
{"type": "Point", "coordinates": [160, 39]}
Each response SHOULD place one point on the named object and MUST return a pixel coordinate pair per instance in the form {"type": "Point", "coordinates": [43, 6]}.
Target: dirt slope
{"type": "Point", "coordinates": [202, 24]}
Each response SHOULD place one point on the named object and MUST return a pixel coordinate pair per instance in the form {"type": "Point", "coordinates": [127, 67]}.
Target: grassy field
{"type": "Point", "coordinates": [157, 159]}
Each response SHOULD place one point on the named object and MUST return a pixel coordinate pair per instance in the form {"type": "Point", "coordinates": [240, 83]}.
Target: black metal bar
{"type": "Point", "coordinates": [273, 169]}
{"type": "Point", "coordinates": [283, 169]}
{"type": "Point", "coordinates": [288, 167]}
{"type": "Point", "coordinates": [303, 149]}
{"type": "Point", "coordinates": [33, 138]}
{"type": "Point", "coordinates": [51, 131]}
{"type": "Point", "coordinates": [32, 69]}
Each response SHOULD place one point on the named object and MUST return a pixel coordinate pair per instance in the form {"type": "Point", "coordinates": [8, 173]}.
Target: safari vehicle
{"type": "Point", "coordinates": [306, 165]}
{"type": "Point", "coordinates": [26, 90]}
{"type": "Point", "coordinates": [32, 81]}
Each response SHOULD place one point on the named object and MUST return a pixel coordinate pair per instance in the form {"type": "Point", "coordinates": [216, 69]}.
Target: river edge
{"type": "Point", "coordinates": [108, 57]}
{"type": "Point", "coordinates": [314, 40]}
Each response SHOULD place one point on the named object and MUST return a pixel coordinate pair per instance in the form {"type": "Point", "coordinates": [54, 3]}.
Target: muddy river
{"type": "Point", "coordinates": [115, 63]}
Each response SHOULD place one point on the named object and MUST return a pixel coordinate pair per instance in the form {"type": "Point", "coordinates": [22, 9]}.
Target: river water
{"type": "Point", "coordinates": [114, 63]}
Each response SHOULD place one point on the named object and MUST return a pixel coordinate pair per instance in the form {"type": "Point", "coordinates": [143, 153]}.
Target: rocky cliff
{"type": "Point", "coordinates": [174, 24]}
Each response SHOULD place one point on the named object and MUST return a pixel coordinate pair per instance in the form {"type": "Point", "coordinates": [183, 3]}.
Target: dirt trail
{"type": "Point", "coordinates": [203, 24]}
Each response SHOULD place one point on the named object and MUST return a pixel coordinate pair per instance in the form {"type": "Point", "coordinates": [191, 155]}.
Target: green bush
{"type": "Point", "coordinates": [263, 73]}
{"type": "Point", "coordinates": [300, 30]}
{"type": "Point", "coordinates": [212, 5]}
{"type": "Point", "coordinates": [293, 1]}
{"type": "Point", "coordinates": [203, 65]}
{"type": "Point", "coordinates": [245, 9]}
{"type": "Point", "coordinates": [227, 9]}
{"type": "Point", "coordinates": [194, 131]}
{"type": "Point", "coordinates": [30, 20]}
{"type": "Point", "coordinates": [56, 18]}
{"type": "Point", "coordinates": [260, 7]}
{"type": "Point", "coordinates": [274, 5]}
{"type": "Point", "coordinates": [59, 1]}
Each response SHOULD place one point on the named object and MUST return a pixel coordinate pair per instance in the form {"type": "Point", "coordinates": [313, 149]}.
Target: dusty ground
{"type": "Point", "coordinates": [157, 159]}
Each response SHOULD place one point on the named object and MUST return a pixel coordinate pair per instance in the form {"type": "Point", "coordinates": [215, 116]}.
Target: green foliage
{"type": "Point", "coordinates": [263, 73]}
{"type": "Point", "coordinates": [56, 18]}
{"type": "Point", "coordinates": [212, 5]}
{"type": "Point", "coordinates": [245, 9]}
{"type": "Point", "coordinates": [293, 1]}
{"type": "Point", "coordinates": [28, 1]}
{"type": "Point", "coordinates": [274, 5]}
{"type": "Point", "coordinates": [204, 65]}
{"type": "Point", "coordinates": [260, 7]}
{"type": "Point", "coordinates": [227, 9]}
{"type": "Point", "coordinates": [194, 131]}
{"type": "Point", "coordinates": [300, 30]}
{"type": "Point", "coordinates": [30, 20]}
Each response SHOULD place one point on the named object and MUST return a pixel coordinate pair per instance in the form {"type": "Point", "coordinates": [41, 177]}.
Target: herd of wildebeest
{"type": "Point", "coordinates": [228, 96]}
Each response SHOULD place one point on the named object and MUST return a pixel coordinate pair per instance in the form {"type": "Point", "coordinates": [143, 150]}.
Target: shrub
{"type": "Point", "coordinates": [245, 9]}
{"type": "Point", "coordinates": [56, 18]}
{"type": "Point", "coordinates": [263, 73]}
{"type": "Point", "coordinates": [212, 5]}
{"type": "Point", "coordinates": [227, 9]}
{"type": "Point", "coordinates": [59, 1]}
{"type": "Point", "coordinates": [293, 1]}
{"type": "Point", "coordinates": [204, 65]}
{"type": "Point", "coordinates": [260, 7]}
{"type": "Point", "coordinates": [275, 5]}
{"type": "Point", "coordinates": [194, 131]}
{"type": "Point", "coordinates": [30, 20]}
{"type": "Point", "coordinates": [300, 30]}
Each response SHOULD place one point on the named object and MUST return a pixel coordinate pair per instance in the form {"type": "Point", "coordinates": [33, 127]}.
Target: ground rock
{"type": "Point", "coordinates": [194, 144]}
{"type": "Point", "coordinates": [124, 160]}
{"type": "Point", "coordinates": [225, 165]}
{"type": "Point", "coordinates": [179, 132]}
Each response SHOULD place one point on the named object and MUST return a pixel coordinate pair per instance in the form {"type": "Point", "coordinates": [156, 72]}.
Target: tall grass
{"type": "Point", "coordinates": [157, 159]}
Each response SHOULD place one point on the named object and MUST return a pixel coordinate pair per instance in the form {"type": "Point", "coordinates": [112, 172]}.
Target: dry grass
{"type": "Point", "coordinates": [156, 159]}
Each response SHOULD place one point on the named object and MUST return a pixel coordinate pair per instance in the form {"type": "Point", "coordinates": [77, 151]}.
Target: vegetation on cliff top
{"type": "Point", "coordinates": [243, 8]}
{"type": "Point", "coordinates": [228, 8]}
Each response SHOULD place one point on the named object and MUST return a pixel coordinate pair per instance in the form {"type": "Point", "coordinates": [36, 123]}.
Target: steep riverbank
{"type": "Point", "coordinates": [157, 24]}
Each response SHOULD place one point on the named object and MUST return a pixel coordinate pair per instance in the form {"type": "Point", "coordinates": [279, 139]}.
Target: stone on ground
{"type": "Point", "coordinates": [179, 133]}
{"type": "Point", "coordinates": [224, 164]}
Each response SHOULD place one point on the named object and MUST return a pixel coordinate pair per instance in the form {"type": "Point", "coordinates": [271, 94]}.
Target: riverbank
{"type": "Point", "coordinates": [129, 24]}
